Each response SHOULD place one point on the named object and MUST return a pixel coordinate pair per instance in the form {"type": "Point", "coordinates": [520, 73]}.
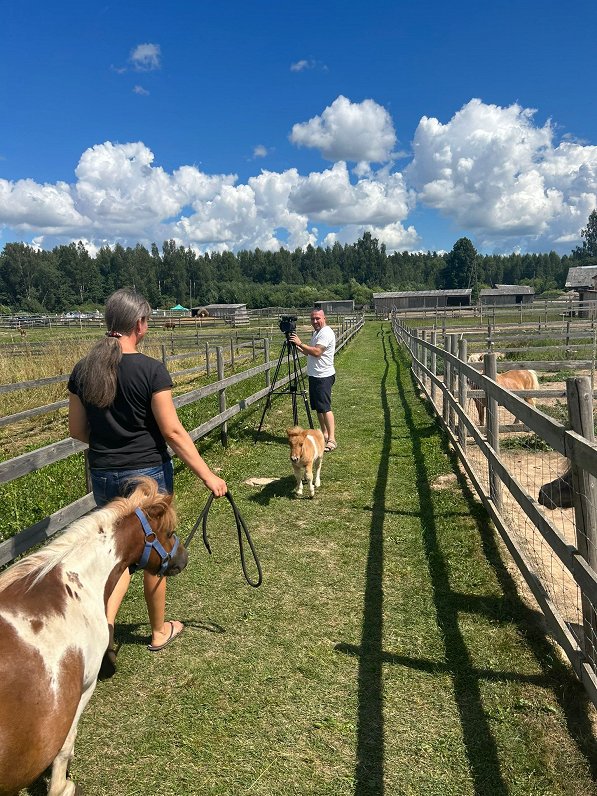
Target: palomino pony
{"type": "Point", "coordinates": [511, 380]}
{"type": "Point", "coordinates": [54, 631]}
{"type": "Point", "coordinates": [306, 455]}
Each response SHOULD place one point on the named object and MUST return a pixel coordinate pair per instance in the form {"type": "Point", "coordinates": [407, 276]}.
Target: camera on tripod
{"type": "Point", "coordinates": [288, 324]}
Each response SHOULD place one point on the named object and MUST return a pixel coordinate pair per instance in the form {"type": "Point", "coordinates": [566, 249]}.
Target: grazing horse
{"type": "Point", "coordinates": [558, 493]}
{"type": "Point", "coordinates": [170, 325]}
{"type": "Point", "coordinates": [511, 380]}
{"type": "Point", "coordinates": [306, 455]}
{"type": "Point", "coordinates": [54, 631]}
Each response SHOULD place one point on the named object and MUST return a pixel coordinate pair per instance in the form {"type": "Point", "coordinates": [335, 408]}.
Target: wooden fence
{"type": "Point", "coordinates": [555, 551]}
{"type": "Point", "coordinates": [27, 463]}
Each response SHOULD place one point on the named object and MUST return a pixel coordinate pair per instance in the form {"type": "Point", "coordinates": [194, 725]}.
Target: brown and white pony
{"type": "Point", "coordinates": [511, 380]}
{"type": "Point", "coordinates": [54, 631]}
{"type": "Point", "coordinates": [306, 455]}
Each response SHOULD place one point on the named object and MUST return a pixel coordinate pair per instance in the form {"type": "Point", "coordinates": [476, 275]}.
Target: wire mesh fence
{"type": "Point", "coordinates": [525, 438]}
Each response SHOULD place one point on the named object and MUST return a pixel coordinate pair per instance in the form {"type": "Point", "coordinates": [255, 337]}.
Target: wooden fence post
{"type": "Point", "coordinates": [164, 354]}
{"type": "Point", "coordinates": [580, 408]}
{"type": "Point", "coordinates": [87, 472]}
{"type": "Point", "coordinates": [567, 339]}
{"type": "Point", "coordinates": [222, 395]}
{"type": "Point", "coordinates": [445, 401]}
{"type": "Point", "coordinates": [453, 377]}
{"type": "Point", "coordinates": [207, 368]}
{"type": "Point", "coordinates": [462, 386]}
{"type": "Point", "coordinates": [415, 352]}
{"type": "Point", "coordinates": [433, 365]}
{"type": "Point", "coordinates": [424, 353]}
{"type": "Point", "coordinates": [268, 372]}
{"type": "Point", "coordinates": [492, 425]}
{"type": "Point", "coordinates": [231, 352]}
{"type": "Point", "coordinates": [253, 345]}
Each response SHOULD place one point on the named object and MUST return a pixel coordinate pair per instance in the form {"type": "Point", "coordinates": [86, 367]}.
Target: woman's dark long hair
{"type": "Point", "coordinates": [98, 371]}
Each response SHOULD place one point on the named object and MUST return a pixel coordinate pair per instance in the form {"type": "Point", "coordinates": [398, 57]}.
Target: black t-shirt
{"type": "Point", "coordinates": [125, 436]}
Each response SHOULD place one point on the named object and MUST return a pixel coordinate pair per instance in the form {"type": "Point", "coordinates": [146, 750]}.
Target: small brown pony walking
{"type": "Point", "coordinates": [54, 632]}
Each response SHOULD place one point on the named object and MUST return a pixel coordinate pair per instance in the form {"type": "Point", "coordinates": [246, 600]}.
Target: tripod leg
{"type": "Point", "coordinates": [301, 380]}
{"type": "Point", "coordinates": [268, 400]}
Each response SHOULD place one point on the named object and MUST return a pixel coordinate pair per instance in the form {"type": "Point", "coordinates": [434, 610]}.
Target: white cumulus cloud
{"type": "Point", "coordinates": [348, 130]}
{"type": "Point", "coordinates": [146, 57]}
{"type": "Point", "coordinates": [499, 175]}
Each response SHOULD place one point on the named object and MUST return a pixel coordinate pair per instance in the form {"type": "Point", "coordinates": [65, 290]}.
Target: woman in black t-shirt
{"type": "Point", "coordinates": [120, 403]}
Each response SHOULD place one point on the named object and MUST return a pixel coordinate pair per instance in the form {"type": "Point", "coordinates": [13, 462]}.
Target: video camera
{"type": "Point", "coordinates": [288, 324]}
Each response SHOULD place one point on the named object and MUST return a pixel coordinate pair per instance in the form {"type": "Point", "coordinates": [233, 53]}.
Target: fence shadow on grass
{"type": "Point", "coordinates": [478, 739]}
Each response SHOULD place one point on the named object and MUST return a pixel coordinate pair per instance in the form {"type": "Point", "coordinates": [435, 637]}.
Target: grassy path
{"type": "Point", "coordinates": [385, 653]}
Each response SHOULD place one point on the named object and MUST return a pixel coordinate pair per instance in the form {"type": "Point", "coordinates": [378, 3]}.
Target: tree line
{"type": "Point", "coordinates": [67, 277]}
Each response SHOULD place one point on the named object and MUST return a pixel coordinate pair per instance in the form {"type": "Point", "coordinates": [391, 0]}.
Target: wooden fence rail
{"type": "Point", "coordinates": [8, 420]}
{"type": "Point", "coordinates": [579, 644]}
{"type": "Point", "coordinates": [35, 460]}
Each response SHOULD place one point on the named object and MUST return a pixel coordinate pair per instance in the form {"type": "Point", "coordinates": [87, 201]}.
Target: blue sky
{"type": "Point", "coordinates": [236, 125]}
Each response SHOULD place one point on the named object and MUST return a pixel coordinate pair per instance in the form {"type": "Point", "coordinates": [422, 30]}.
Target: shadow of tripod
{"type": "Point", "coordinates": [294, 385]}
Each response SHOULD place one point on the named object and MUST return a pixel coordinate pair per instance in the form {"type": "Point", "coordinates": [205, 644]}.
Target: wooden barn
{"type": "Point", "coordinates": [504, 295]}
{"type": "Point", "coordinates": [339, 307]}
{"type": "Point", "coordinates": [384, 303]}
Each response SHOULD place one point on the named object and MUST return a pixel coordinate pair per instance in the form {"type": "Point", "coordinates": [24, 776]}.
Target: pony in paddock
{"type": "Point", "coordinates": [54, 631]}
{"type": "Point", "coordinates": [511, 380]}
{"type": "Point", "coordinates": [306, 455]}
{"type": "Point", "coordinates": [558, 493]}
{"type": "Point", "coordinates": [478, 357]}
{"type": "Point", "coordinates": [170, 325]}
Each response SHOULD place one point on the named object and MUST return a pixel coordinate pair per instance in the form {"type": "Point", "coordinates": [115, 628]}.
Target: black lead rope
{"type": "Point", "coordinates": [240, 528]}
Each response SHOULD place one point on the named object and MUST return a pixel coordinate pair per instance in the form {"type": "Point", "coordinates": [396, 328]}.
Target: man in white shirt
{"type": "Point", "coordinates": [321, 372]}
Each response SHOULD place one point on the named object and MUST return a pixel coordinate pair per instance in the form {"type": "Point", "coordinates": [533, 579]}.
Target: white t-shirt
{"type": "Point", "coordinates": [323, 365]}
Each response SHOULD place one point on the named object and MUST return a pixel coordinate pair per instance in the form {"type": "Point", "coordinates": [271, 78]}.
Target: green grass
{"type": "Point", "coordinates": [386, 652]}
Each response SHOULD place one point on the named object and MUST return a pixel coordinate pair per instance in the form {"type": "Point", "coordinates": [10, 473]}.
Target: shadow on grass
{"type": "Point", "coordinates": [369, 773]}
{"type": "Point", "coordinates": [477, 737]}
{"type": "Point", "coordinates": [137, 633]}
{"type": "Point", "coordinates": [282, 487]}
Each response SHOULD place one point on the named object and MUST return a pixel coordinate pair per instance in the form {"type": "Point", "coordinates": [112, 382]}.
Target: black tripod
{"type": "Point", "coordinates": [294, 385]}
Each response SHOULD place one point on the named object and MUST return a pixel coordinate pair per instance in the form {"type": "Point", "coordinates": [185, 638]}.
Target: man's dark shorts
{"type": "Point", "coordinates": [320, 393]}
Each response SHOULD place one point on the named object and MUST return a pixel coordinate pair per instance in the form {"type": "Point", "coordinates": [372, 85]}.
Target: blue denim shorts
{"type": "Point", "coordinates": [109, 484]}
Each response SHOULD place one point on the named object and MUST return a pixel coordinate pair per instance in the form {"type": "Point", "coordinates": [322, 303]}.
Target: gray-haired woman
{"type": "Point", "coordinates": [120, 402]}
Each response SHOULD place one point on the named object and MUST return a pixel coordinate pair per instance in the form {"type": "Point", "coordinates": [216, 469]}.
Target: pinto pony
{"type": "Point", "coordinates": [306, 455]}
{"type": "Point", "coordinates": [54, 631]}
{"type": "Point", "coordinates": [511, 380]}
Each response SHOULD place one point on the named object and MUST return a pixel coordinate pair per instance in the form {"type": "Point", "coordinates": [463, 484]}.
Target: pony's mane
{"type": "Point", "coordinates": [156, 505]}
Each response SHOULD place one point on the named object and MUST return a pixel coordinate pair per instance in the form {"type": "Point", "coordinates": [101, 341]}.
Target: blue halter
{"type": "Point", "coordinates": [153, 544]}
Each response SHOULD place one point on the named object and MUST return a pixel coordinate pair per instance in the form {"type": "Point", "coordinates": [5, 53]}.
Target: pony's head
{"type": "Point", "coordinates": [152, 510]}
{"type": "Point", "coordinates": [296, 438]}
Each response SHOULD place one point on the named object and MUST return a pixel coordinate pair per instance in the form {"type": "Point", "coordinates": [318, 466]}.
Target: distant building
{"type": "Point", "coordinates": [384, 303]}
{"type": "Point", "coordinates": [580, 279]}
{"type": "Point", "coordinates": [340, 307]}
{"type": "Point", "coordinates": [234, 314]}
{"type": "Point", "coordinates": [507, 294]}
